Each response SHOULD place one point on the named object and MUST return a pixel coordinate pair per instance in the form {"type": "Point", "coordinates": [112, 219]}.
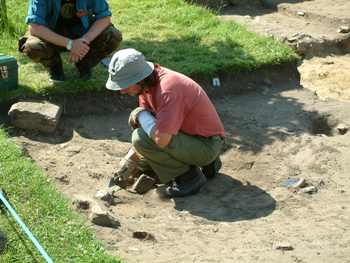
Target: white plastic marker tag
{"type": "Point", "coordinates": [216, 82]}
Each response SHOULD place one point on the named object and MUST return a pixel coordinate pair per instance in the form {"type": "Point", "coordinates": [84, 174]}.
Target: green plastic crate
{"type": "Point", "coordinates": [8, 72]}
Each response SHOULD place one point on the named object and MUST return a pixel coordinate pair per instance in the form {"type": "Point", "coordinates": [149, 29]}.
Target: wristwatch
{"type": "Point", "coordinates": [69, 44]}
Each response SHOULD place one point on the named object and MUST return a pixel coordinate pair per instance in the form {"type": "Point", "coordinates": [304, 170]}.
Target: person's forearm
{"type": "Point", "coordinates": [148, 123]}
{"type": "Point", "coordinates": [97, 28]}
{"type": "Point", "coordinates": [161, 139]}
{"type": "Point", "coordinates": [48, 35]}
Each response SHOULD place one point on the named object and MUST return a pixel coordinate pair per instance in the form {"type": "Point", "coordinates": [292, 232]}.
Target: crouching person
{"type": "Point", "coordinates": [176, 127]}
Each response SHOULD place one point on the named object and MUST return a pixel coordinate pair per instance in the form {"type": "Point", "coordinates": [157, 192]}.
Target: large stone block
{"type": "Point", "coordinates": [35, 115]}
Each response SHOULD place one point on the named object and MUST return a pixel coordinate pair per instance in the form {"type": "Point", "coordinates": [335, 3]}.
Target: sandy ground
{"type": "Point", "coordinates": [328, 77]}
{"type": "Point", "coordinates": [242, 213]}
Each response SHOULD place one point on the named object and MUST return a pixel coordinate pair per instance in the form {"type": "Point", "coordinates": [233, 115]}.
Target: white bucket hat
{"type": "Point", "coordinates": [127, 67]}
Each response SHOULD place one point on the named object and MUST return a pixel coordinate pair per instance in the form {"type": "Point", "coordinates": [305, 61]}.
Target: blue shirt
{"type": "Point", "coordinates": [47, 12]}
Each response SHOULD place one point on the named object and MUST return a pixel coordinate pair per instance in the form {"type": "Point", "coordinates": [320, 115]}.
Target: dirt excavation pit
{"type": "Point", "coordinates": [247, 213]}
{"type": "Point", "coordinates": [283, 191]}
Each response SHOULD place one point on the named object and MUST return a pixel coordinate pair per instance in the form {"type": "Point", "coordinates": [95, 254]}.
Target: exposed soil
{"type": "Point", "coordinates": [277, 131]}
{"type": "Point", "coordinates": [310, 27]}
{"type": "Point", "coordinates": [328, 77]}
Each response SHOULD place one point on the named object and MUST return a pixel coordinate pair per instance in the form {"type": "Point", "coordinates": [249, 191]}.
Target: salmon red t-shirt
{"type": "Point", "coordinates": [180, 104]}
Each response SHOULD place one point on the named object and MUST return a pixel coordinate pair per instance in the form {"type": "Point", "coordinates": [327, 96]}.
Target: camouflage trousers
{"type": "Point", "coordinates": [48, 54]}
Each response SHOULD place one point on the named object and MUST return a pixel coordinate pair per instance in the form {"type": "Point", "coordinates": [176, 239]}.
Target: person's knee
{"type": "Point", "coordinates": [110, 39]}
{"type": "Point", "coordinates": [33, 48]}
{"type": "Point", "coordinates": [117, 37]}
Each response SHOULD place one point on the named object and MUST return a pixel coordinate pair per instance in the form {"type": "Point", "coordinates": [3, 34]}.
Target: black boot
{"type": "Point", "coordinates": [189, 183]}
{"type": "Point", "coordinates": [212, 169]}
{"type": "Point", "coordinates": [56, 73]}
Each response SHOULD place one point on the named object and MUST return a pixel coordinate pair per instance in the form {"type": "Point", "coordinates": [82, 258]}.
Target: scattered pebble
{"type": "Point", "coordinates": [73, 150]}
{"type": "Point", "coordinates": [283, 246]}
{"type": "Point", "coordinates": [101, 194]}
{"type": "Point", "coordinates": [101, 217]}
{"type": "Point", "coordinates": [81, 203]}
{"type": "Point", "coordinates": [95, 175]}
{"type": "Point", "coordinates": [62, 178]}
{"type": "Point", "coordinates": [342, 129]}
{"type": "Point", "coordinates": [107, 196]}
{"type": "Point", "coordinates": [344, 29]}
{"type": "Point", "coordinates": [142, 235]}
{"type": "Point", "coordinates": [328, 62]}
{"type": "Point", "coordinates": [308, 190]}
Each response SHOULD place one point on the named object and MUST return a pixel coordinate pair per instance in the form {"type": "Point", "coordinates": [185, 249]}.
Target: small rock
{"type": "Point", "coordinates": [103, 218]}
{"type": "Point", "coordinates": [82, 203]}
{"type": "Point", "coordinates": [344, 29]}
{"type": "Point", "coordinates": [301, 13]}
{"type": "Point", "coordinates": [100, 194]}
{"type": "Point", "coordinates": [283, 246]}
{"type": "Point", "coordinates": [107, 197]}
{"type": "Point", "coordinates": [143, 235]}
{"type": "Point", "coordinates": [308, 190]}
{"type": "Point", "coordinates": [63, 178]}
{"type": "Point", "coordinates": [95, 175]}
{"type": "Point", "coordinates": [74, 149]}
{"type": "Point", "coordinates": [143, 184]}
{"type": "Point", "coordinates": [323, 75]}
{"type": "Point", "coordinates": [328, 62]}
{"type": "Point", "coordinates": [35, 115]}
{"type": "Point", "coordinates": [247, 165]}
{"type": "Point", "coordinates": [321, 183]}
{"type": "Point", "coordinates": [342, 129]}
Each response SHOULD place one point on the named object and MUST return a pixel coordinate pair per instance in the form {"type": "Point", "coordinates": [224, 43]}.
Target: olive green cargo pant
{"type": "Point", "coordinates": [182, 152]}
{"type": "Point", "coordinates": [49, 55]}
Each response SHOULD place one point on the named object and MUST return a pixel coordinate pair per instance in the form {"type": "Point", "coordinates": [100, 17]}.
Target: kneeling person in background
{"type": "Point", "coordinates": [176, 127]}
{"type": "Point", "coordinates": [83, 28]}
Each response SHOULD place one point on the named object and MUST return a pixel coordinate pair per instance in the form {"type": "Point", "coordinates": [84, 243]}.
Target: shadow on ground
{"type": "Point", "coordinates": [225, 199]}
{"type": "Point", "coordinates": [252, 121]}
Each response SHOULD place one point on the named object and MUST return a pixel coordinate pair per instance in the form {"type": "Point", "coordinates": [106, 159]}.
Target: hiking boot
{"type": "Point", "coordinates": [212, 169]}
{"type": "Point", "coordinates": [56, 73]}
{"type": "Point", "coordinates": [186, 184]}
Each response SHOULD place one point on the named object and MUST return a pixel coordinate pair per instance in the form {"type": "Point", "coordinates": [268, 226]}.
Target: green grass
{"type": "Point", "coordinates": [186, 38]}
{"type": "Point", "coordinates": [60, 231]}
